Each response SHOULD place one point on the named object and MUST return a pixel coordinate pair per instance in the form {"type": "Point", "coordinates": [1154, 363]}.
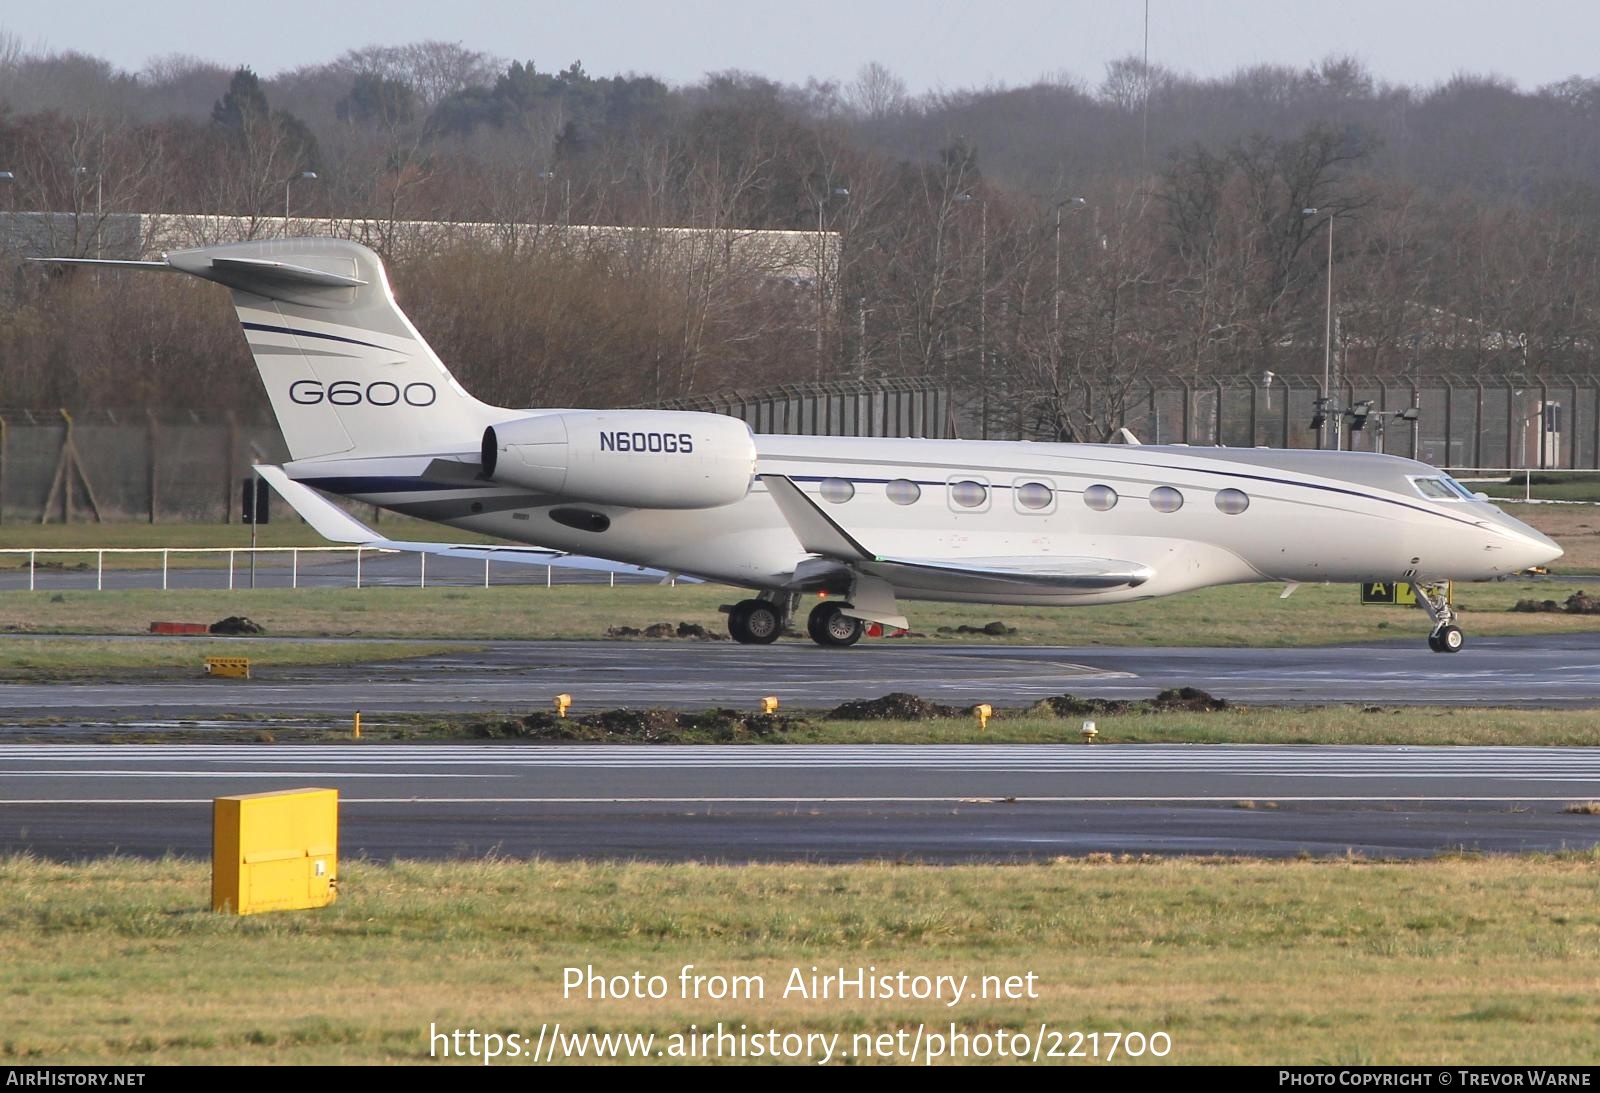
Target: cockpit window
{"type": "Point", "coordinates": [1443, 489]}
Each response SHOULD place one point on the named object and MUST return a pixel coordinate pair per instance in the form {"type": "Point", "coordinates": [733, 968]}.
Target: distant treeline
{"type": "Point", "coordinates": [1031, 243]}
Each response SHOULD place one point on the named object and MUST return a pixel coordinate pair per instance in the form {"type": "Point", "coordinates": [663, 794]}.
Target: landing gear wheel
{"type": "Point", "coordinates": [755, 622]}
{"type": "Point", "coordinates": [827, 625]}
{"type": "Point", "coordinates": [1435, 600]}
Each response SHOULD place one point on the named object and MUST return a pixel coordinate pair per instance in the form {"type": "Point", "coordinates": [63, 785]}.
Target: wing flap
{"type": "Point", "coordinates": [1048, 572]}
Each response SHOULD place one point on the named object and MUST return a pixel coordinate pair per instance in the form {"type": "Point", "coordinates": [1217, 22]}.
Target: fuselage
{"type": "Point", "coordinates": [1195, 516]}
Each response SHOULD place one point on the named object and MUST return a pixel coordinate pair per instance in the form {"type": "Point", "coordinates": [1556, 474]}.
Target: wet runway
{"type": "Point", "coordinates": [1553, 671]}
{"type": "Point", "coordinates": [937, 803]}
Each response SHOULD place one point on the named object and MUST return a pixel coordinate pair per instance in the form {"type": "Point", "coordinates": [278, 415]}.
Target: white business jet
{"type": "Point", "coordinates": [368, 412]}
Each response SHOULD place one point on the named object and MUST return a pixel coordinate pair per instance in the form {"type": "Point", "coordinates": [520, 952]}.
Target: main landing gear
{"type": "Point", "coordinates": [755, 622]}
{"type": "Point", "coordinates": [1435, 600]}
{"type": "Point", "coordinates": [828, 625]}
{"type": "Point", "coordinates": [760, 622]}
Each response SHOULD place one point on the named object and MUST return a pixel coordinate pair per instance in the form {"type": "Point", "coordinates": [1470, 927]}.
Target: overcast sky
{"type": "Point", "coordinates": [931, 44]}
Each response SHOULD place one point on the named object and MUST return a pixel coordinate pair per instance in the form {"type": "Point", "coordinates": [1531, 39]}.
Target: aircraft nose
{"type": "Point", "coordinates": [1527, 546]}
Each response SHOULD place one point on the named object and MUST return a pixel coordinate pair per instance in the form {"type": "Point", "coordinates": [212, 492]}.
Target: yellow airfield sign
{"type": "Point", "coordinates": [1397, 593]}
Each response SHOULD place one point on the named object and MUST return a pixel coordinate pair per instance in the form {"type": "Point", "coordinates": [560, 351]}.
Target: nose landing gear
{"type": "Point", "coordinates": [1446, 637]}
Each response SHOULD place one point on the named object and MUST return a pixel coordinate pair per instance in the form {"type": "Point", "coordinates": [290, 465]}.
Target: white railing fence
{"type": "Point", "coordinates": [34, 554]}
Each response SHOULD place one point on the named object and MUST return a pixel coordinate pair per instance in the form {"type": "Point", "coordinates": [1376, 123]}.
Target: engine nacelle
{"type": "Point", "coordinates": [657, 459]}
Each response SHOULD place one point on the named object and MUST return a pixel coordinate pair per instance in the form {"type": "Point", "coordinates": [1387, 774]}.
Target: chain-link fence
{"type": "Point", "coordinates": [63, 467]}
{"type": "Point", "coordinates": [1457, 422]}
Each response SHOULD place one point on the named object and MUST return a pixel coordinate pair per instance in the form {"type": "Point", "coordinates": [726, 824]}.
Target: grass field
{"type": "Point", "coordinates": [1411, 725]}
{"type": "Point", "coordinates": [24, 659]}
{"type": "Point", "coordinates": [1445, 961]}
{"type": "Point", "coordinates": [1425, 726]}
{"type": "Point", "coordinates": [1546, 486]}
{"type": "Point", "coordinates": [1246, 615]}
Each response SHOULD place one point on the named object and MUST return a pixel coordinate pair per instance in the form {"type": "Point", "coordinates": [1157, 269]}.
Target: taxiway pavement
{"type": "Point", "coordinates": [829, 803]}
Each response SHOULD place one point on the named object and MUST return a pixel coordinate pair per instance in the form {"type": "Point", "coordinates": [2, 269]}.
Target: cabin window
{"type": "Point", "coordinates": [837, 490]}
{"type": "Point", "coordinates": [1232, 502]}
{"type": "Point", "coordinates": [1035, 496]}
{"type": "Point", "coordinates": [968, 494]}
{"type": "Point", "coordinates": [1100, 498]}
{"type": "Point", "coordinates": [1166, 499]}
{"type": "Point", "coordinates": [903, 491]}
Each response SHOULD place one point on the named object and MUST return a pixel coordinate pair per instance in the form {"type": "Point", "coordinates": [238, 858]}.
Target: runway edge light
{"type": "Point", "coordinates": [1089, 732]}
{"type": "Point", "coordinates": [274, 851]}
{"type": "Point", "coordinates": [984, 712]}
{"type": "Point", "coordinates": [769, 704]}
{"type": "Point", "coordinates": [562, 702]}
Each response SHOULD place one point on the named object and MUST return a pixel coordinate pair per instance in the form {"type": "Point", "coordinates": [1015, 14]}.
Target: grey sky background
{"type": "Point", "coordinates": [931, 44]}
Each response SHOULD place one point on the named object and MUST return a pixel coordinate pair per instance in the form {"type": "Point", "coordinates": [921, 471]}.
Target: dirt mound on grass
{"type": "Point", "coordinates": [648, 726]}
{"type": "Point", "coordinates": [1178, 699]}
{"type": "Point", "coordinates": [1579, 603]}
{"type": "Point", "coordinates": [898, 706]}
{"type": "Point", "coordinates": [687, 631]}
{"type": "Point", "coordinates": [1190, 699]}
{"type": "Point", "coordinates": [992, 629]}
{"type": "Point", "coordinates": [237, 624]}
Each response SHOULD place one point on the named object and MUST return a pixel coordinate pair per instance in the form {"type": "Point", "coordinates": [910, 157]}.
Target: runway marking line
{"type": "Point", "coordinates": [1232, 798]}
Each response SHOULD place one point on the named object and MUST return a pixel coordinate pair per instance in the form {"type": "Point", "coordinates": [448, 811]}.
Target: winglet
{"type": "Point", "coordinates": [815, 529]}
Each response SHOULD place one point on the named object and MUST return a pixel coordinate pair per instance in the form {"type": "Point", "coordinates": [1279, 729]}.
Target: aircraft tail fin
{"type": "Point", "coordinates": [345, 370]}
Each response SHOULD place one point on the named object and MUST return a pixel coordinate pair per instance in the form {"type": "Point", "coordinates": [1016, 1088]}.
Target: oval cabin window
{"type": "Point", "coordinates": [837, 490]}
{"type": "Point", "coordinates": [1100, 498]}
{"type": "Point", "coordinates": [1166, 499]}
{"type": "Point", "coordinates": [969, 494]}
{"type": "Point", "coordinates": [903, 491]}
{"type": "Point", "coordinates": [1034, 495]}
{"type": "Point", "coordinates": [1232, 502]}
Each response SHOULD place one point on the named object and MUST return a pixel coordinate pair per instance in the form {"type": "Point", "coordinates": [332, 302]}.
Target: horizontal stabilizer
{"type": "Point", "coordinates": [120, 263]}
{"type": "Point", "coordinates": [284, 273]}
{"type": "Point", "coordinates": [334, 524]}
{"type": "Point", "coordinates": [326, 519]}
{"type": "Point", "coordinates": [247, 273]}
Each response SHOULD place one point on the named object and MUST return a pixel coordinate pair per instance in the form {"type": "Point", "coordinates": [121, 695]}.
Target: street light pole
{"type": "Point", "coordinates": [820, 272]}
{"type": "Point", "coordinates": [306, 176]}
{"type": "Point", "coordinates": [1077, 203]}
{"type": "Point", "coordinates": [1327, 344]}
{"type": "Point", "coordinates": [983, 310]}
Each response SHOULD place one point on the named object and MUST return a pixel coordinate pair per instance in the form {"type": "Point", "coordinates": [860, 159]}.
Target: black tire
{"type": "Point", "coordinates": [1433, 643]}
{"type": "Point", "coordinates": [1451, 639]}
{"type": "Point", "coordinates": [754, 622]}
{"type": "Point", "coordinates": [827, 625]}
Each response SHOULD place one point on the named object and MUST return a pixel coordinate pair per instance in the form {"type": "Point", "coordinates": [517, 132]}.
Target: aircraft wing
{"type": "Point", "coordinates": [334, 524]}
{"type": "Point", "coordinates": [820, 534]}
{"type": "Point", "coordinates": [1051, 571]}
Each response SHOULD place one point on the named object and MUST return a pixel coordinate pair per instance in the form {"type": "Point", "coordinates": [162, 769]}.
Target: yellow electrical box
{"type": "Point", "coordinates": [233, 667]}
{"type": "Point", "coordinates": [274, 851]}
